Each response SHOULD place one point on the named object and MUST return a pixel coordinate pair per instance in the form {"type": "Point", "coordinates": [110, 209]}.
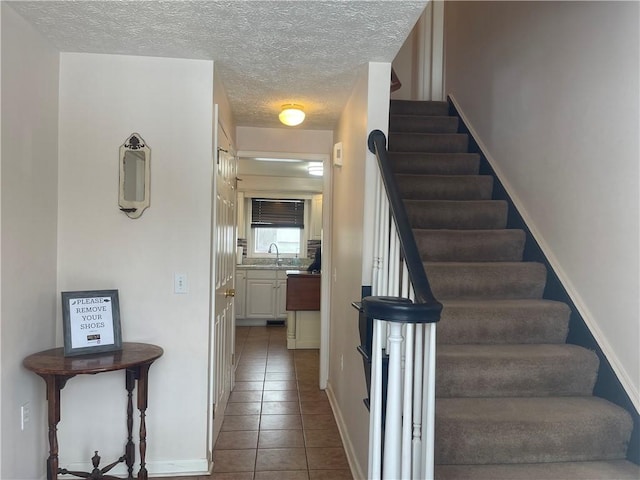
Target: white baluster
{"type": "Point", "coordinates": [407, 401]}
{"type": "Point", "coordinates": [429, 402]}
{"type": "Point", "coordinates": [393, 423]}
{"type": "Point", "coordinates": [375, 405]}
{"type": "Point", "coordinates": [416, 443]}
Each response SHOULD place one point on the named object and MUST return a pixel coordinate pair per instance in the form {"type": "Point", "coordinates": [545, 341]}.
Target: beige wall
{"type": "Point", "coordinates": [350, 257]}
{"type": "Point", "coordinates": [169, 102]}
{"type": "Point", "coordinates": [552, 90]}
{"type": "Point", "coordinates": [29, 163]}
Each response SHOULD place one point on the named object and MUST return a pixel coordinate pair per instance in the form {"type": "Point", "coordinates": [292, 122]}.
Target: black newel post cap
{"type": "Point", "coordinates": [398, 309]}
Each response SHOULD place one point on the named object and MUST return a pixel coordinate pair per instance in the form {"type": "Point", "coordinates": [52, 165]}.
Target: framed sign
{"type": "Point", "coordinates": [91, 322]}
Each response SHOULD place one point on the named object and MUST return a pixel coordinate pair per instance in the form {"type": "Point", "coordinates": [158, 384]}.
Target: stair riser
{"type": "Point", "coordinates": [609, 470]}
{"type": "Point", "coordinates": [470, 246]}
{"type": "Point", "coordinates": [486, 281]}
{"type": "Point", "coordinates": [515, 371]}
{"type": "Point", "coordinates": [518, 431]}
{"type": "Point", "coordinates": [481, 215]}
{"type": "Point", "coordinates": [529, 322]}
{"type": "Point", "coordinates": [422, 124]}
{"type": "Point", "coordinates": [445, 187]}
{"type": "Point", "coordinates": [409, 107]}
{"type": "Point", "coordinates": [428, 143]}
{"type": "Point", "coordinates": [435, 163]}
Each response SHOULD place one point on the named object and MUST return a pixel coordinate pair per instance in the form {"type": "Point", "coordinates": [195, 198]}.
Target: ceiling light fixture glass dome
{"type": "Point", "coordinates": [291, 114]}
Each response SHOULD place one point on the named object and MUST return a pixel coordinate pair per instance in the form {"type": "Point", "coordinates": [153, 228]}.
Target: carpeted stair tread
{"type": "Point", "coordinates": [445, 245]}
{"type": "Point", "coordinates": [486, 280]}
{"type": "Point", "coordinates": [529, 430]}
{"type": "Point", "coordinates": [514, 400]}
{"type": "Point", "coordinates": [515, 370]}
{"type": "Point", "coordinates": [445, 187]}
{"type": "Point", "coordinates": [428, 142]}
{"type": "Point", "coordinates": [603, 470]}
{"type": "Point", "coordinates": [435, 163]}
{"type": "Point", "coordinates": [423, 124]}
{"type": "Point", "coordinates": [457, 214]}
{"type": "Point", "coordinates": [490, 322]}
{"type": "Point", "coordinates": [412, 107]}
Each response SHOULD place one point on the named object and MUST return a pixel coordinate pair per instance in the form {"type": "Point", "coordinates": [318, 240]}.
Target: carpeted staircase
{"type": "Point", "coordinates": [514, 400]}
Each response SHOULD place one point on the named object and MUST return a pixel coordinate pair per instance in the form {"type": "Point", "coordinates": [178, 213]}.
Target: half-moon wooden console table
{"type": "Point", "coordinates": [56, 369]}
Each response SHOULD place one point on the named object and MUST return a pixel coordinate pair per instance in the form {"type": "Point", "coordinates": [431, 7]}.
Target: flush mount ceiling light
{"type": "Point", "coordinates": [315, 169]}
{"type": "Point", "coordinates": [291, 114]}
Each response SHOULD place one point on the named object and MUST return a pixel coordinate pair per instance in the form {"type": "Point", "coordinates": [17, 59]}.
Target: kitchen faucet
{"type": "Point", "coordinates": [277, 253]}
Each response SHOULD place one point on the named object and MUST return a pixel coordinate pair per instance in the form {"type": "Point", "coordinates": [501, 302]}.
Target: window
{"type": "Point", "coordinates": [279, 221]}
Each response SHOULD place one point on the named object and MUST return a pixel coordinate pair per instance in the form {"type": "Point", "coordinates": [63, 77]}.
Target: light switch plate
{"type": "Point", "coordinates": [180, 283]}
{"type": "Point", "coordinates": [337, 154]}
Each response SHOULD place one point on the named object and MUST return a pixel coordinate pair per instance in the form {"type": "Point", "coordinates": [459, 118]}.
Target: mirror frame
{"type": "Point", "coordinates": [132, 208]}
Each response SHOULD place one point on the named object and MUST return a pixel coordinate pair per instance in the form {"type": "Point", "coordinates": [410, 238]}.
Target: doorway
{"type": "Point", "coordinates": [282, 175]}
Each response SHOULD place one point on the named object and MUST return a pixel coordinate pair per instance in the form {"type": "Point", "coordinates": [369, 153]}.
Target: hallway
{"type": "Point", "coordinates": [278, 424]}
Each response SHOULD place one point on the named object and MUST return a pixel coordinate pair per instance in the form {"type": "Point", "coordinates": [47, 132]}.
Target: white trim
{"type": "Point", "coordinates": [356, 469]}
{"type": "Point", "coordinates": [430, 53]}
{"type": "Point", "coordinates": [251, 322]}
{"type": "Point", "coordinates": [326, 265]}
{"type": "Point", "coordinates": [165, 468]}
{"type": "Point", "coordinates": [311, 157]}
{"type": "Point", "coordinates": [581, 306]}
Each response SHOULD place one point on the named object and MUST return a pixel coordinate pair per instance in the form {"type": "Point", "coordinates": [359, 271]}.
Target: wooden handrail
{"type": "Point", "coordinates": [430, 311]}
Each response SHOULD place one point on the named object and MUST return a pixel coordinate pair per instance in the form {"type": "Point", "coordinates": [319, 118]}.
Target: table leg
{"type": "Point", "coordinates": [143, 383]}
{"type": "Point", "coordinates": [54, 385]}
{"type": "Point", "coordinates": [130, 450]}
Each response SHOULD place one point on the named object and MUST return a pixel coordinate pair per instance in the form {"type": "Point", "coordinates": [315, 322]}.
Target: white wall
{"type": "Point", "coordinates": [349, 257]}
{"type": "Point", "coordinates": [419, 63]}
{"type": "Point", "coordinates": [405, 65]}
{"type": "Point", "coordinates": [169, 102]}
{"type": "Point", "coordinates": [552, 90]}
{"type": "Point", "coordinates": [284, 140]}
{"type": "Point", "coordinates": [261, 183]}
{"type": "Point", "coordinates": [225, 115]}
{"type": "Point", "coordinates": [29, 163]}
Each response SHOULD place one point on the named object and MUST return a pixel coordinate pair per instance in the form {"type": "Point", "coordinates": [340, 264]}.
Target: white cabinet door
{"type": "Point", "coordinates": [261, 298]}
{"type": "Point", "coordinates": [315, 232]}
{"type": "Point", "coordinates": [281, 303]}
{"type": "Point", "coordinates": [241, 293]}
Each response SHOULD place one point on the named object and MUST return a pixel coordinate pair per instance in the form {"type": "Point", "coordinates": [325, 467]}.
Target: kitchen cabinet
{"type": "Point", "coordinates": [303, 302]}
{"type": "Point", "coordinates": [315, 230]}
{"type": "Point", "coordinates": [241, 293]}
{"type": "Point", "coordinates": [266, 294]}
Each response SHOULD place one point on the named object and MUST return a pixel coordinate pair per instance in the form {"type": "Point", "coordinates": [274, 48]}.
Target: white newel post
{"type": "Point", "coordinates": [393, 423]}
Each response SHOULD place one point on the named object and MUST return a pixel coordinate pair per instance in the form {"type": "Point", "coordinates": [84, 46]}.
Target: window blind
{"type": "Point", "coordinates": [277, 213]}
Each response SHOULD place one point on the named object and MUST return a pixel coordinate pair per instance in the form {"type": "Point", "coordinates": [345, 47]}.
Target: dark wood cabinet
{"type": "Point", "coordinates": [303, 291]}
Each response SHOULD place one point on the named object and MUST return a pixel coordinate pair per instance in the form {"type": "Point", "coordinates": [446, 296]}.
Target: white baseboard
{"type": "Point", "coordinates": [584, 311]}
{"type": "Point", "coordinates": [250, 322]}
{"type": "Point", "coordinates": [167, 468]}
{"type": "Point", "coordinates": [356, 469]}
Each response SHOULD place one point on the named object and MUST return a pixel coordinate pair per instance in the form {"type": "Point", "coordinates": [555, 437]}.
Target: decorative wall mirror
{"type": "Point", "coordinates": [135, 173]}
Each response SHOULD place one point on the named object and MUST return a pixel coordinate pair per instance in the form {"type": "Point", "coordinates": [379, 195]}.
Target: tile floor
{"type": "Point", "coordinates": [278, 424]}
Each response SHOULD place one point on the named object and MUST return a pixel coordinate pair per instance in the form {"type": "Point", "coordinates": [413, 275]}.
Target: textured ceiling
{"type": "Point", "coordinates": [267, 52]}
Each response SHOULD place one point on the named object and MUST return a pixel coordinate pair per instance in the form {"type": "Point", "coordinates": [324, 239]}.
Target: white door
{"type": "Point", "coordinates": [223, 248]}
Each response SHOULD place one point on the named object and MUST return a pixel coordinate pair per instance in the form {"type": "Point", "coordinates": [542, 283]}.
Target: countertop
{"type": "Point", "coordinates": [302, 273]}
{"type": "Point", "coordinates": [263, 267]}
